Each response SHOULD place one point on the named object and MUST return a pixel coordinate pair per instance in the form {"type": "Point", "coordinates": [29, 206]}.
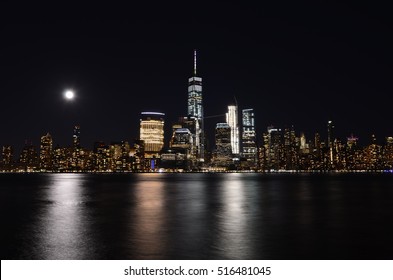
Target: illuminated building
{"type": "Point", "coordinates": [102, 159]}
{"type": "Point", "coordinates": [273, 142]}
{"type": "Point", "coordinates": [331, 142]}
{"type": "Point", "coordinates": [137, 156]}
{"type": "Point", "coordinates": [317, 144]}
{"type": "Point", "coordinates": [181, 138]}
{"type": "Point", "coordinates": [223, 153]}
{"type": "Point", "coordinates": [352, 141]}
{"type": "Point", "coordinates": [195, 110]}
{"type": "Point", "coordinates": [388, 153]}
{"type": "Point", "coordinates": [7, 155]}
{"type": "Point", "coordinates": [373, 155]}
{"type": "Point", "coordinates": [46, 153]}
{"type": "Point", "coordinates": [76, 163]}
{"type": "Point", "coordinates": [120, 156]}
{"type": "Point", "coordinates": [249, 147]}
{"type": "Point", "coordinates": [290, 149]}
{"type": "Point", "coordinates": [152, 133]}
{"type": "Point", "coordinates": [28, 158]}
{"type": "Point", "coordinates": [76, 137]}
{"type": "Point", "coordinates": [232, 121]}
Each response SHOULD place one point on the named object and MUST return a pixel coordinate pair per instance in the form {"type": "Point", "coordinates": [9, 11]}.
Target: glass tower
{"type": "Point", "coordinates": [232, 121]}
{"type": "Point", "coordinates": [195, 110]}
{"type": "Point", "coordinates": [249, 146]}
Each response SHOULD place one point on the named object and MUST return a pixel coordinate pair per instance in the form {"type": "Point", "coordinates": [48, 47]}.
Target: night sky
{"type": "Point", "coordinates": [295, 64]}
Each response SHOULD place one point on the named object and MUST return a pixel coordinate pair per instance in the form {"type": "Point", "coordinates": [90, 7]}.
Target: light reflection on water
{"type": "Point", "coordinates": [233, 239]}
{"type": "Point", "coordinates": [61, 226]}
{"type": "Point", "coordinates": [147, 222]}
{"type": "Point", "coordinates": [196, 216]}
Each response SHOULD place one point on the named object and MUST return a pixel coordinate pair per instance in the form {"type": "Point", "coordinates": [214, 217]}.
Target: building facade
{"type": "Point", "coordinates": [195, 110]}
{"type": "Point", "coordinates": [152, 133]}
{"type": "Point", "coordinates": [232, 121]}
{"type": "Point", "coordinates": [249, 147]}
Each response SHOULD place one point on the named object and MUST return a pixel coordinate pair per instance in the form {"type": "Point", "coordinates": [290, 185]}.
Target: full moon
{"type": "Point", "coordinates": [69, 94]}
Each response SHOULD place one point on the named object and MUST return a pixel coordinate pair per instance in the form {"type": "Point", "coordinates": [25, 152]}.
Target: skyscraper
{"type": "Point", "coordinates": [195, 110]}
{"type": "Point", "coordinates": [76, 137]}
{"type": "Point", "coordinates": [331, 142]}
{"type": "Point", "coordinates": [7, 155]}
{"type": "Point", "coordinates": [76, 148]}
{"type": "Point", "coordinates": [46, 152]}
{"type": "Point", "coordinates": [223, 154]}
{"type": "Point", "coordinates": [274, 146]}
{"type": "Point", "coordinates": [249, 146]}
{"type": "Point", "coordinates": [152, 133]}
{"type": "Point", "coordinates": [232, 121]}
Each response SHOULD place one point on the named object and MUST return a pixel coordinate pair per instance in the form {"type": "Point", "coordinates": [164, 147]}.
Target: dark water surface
{"type": "Point", "coordinates": [196, 216]}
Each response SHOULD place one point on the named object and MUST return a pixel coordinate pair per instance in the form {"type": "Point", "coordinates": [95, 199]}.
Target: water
{"type": "Point", "coordinates": [196, 216]}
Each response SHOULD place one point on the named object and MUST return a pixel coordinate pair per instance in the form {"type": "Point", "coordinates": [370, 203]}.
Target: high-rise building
{"type": "Point", "coordinates": [388, 153]}
{"type": "Point", "coordinates": [76, 148]}
{"type": "Point", "coordinates": [182, 138]}
{"type": "Point", "coordinates": [249, 147]}
{"type": "Point", "coordinates": [152, 133]}
{"type": "Point", "coordinates": [28, 158]}
{"type": "Point", "coordinates": [76, 137]}
{"type": "Point", "coordinates": [223, 154]}
{"type": "Point", "coordinates": [46, 152]}
{"type": "Point", "coordinates": [274, 146]}
{"type": "Point", "coordinates": [331, 142]}
{"type": "Point", "coordinates": [352, 141]}
{"type": "Point", "coordinates": [232, 121]}
{"type": "Point", "coordinates": [7, 156]}
{"type": "Point", "coordinates": [291, 149]}
{"type": "Point", "coordinates": [195, 110]}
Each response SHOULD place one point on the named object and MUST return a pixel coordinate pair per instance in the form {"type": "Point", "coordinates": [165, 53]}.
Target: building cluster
{"type": "Point", "coordinates": [235, 149]}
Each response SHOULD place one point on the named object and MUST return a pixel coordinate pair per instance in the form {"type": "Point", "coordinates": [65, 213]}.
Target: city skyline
{"type": "Point", "coordinates": [304, 75]}
{"type": "Point", "coordinates": [279, 148]}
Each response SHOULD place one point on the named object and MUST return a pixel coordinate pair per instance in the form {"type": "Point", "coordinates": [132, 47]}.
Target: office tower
{"type": "Point", "coordinates": [102, 159]}
{"type": "Point", "coordinates": [373, 155]}
{"type": "Point", "coordinates": [195, 110]}
{"type": "Point", "coordinates": [249, 146]}
{"type": "Point", "coordinates": [388, 153]}
{"type": "Point", "coordinates": [152, 133]}
{"type": "Point", "coordinates": [223, 155]}
{"type": "Point", "coordinates": [76, 137]}
{"type": "Point", "coordinates": [137, 154]}
{"type": "Point", "coordinates": [232, 121]}
{"type": "Point", "coordinates": [28, 157]}
{"type": "Point", "coordinates": [7, 156]}
{"type": "Point", "coordinates": [317, 144]}
{"type": "Point", "coordinates": [331, 142]}
{"type": "Point", "coordinates": [330, 134]}
{"type": "Point", "coordinates": [76, 163]}
{"type": "Point", "coordinates": [181, 138]}
{"type": "Point", "coordinates": [273, 142]}
{"type": "Point", "coordinates": [291, 149]}
{"type": "Point", "coordinates": [120, 156]}
{"type": "Point", "coordinates": [352, 141]}
{"type": "Point", "coordinates": [46, 152]}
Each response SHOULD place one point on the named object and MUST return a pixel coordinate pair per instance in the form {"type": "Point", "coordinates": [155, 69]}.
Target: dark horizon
{"type": "Point", "coordinates": [300, 65]}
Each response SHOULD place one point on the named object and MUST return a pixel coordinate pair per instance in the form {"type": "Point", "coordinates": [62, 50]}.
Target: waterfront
{"type": "Point", "coordinates": [196, 216]}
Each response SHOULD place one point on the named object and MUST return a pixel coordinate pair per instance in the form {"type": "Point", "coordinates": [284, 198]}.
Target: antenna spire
{"type": "Point", "coordinates": [194, 62]}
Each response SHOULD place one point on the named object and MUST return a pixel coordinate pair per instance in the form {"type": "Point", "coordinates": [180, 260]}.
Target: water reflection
{"type": "Point", "coordinates": [233, 239]}
{"type": "Point", "coordinates": [149, 217]}
{"type": "Point", "coordinates": [61, 230]}
{"type": "Point", "coordinates": [196, 216]}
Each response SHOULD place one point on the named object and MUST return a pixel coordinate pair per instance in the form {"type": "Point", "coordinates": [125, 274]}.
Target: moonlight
{"type": "Point", "coordinates": [69, 94]}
